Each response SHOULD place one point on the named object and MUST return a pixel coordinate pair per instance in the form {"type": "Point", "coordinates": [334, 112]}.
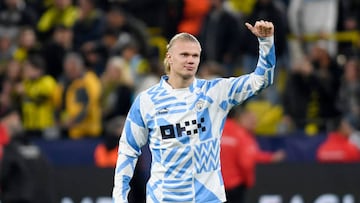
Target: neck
{"type": "Point", "coordinates": [177, 82]}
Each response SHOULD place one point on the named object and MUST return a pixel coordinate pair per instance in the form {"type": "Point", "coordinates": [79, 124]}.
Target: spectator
{"type": "Point", "coordinates": [24, 175]}
{"type": "Point", "coordinates": [37, 92]}
{"type": "Point", "coordinates": [120, 30]}
{"type": "Point", "coordinates": [329, 75]}
{"type": "Point", "coordinates": [210, 70]}
{"type": "Point", "coordinates": [97, 53]}
{"type": "Point", "coordinates": [89, 25]}
{"type": "Point", "coordinates": [117, 86]}
{"type": "Point", "coordinates": [314, 17]}
{"type": "Point", "coordinates": [27, 44]}
{"type": "Point", "coordinates": [56, 49]}
{"type": "Point", "coordinates": [220, 34]}
{"type": "Point", "coordinates": [151, 78]}
{"type": "Point", "coordinates": [127, 28]}
{"type": "Point", "coordinates": [7, 49]}
{"type": "Point", "coordinates": [348, 100]}
{"type": "Point", "coordinates": [39, 6]}
{"type": "Point", "coordinates": [240, 153]}
{"type": "Point", "coordinates": [61, 13]}
{"type": "Point", "coordinates": [151, 12]}
{"type": "Point", "coordinates": [269, 122]}
{"type": "Point", "coordinates": [174, 13]}
{"type": "Point", "coordinates": [349, 21]}
{"type": "Point", "coordinates": [138, 65]}
{"type": "Point", "coordinates": [193, 15]}
{"type": "Point", "coordinates": [95, 62]}
{"type": "Point", "coordinates": [306, 99]}
{"type": "Point", "coordinates": [105, 153]}
{"type": "Point", "coordinates": [12, 79]}
{"type": "Point", "coordinates": [78, 100]}
{"type": "Point", "coordinates": [242, 8]}
{"type": "Point", "coordinates": [14, 15]}
{"type": "Point", "coordinates": [349, 8]}
{"type": "Point", "coordinates": [337, 148]}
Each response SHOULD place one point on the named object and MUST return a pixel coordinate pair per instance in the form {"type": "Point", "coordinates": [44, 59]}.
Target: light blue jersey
{"type": "Point", "coordinates": [183, 128]}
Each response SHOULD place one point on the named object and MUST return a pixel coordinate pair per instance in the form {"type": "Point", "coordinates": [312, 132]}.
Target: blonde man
{"type": "Point", "coordinates": [182, 118]}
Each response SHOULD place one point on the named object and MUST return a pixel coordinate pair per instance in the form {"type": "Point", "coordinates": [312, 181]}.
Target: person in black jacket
{"type": "Point", "coordinates": [308, 99]}
{"type": "Point", "coordinates": [24, 171]}
{"type": "Point", "coordinates": [220, 35]}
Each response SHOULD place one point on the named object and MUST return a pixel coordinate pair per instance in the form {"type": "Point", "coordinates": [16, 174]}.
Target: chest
{"type": "Point", "coordinates": [181, 118]}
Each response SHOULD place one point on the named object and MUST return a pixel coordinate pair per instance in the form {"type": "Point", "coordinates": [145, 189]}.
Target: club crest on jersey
{"type": "Point", "coordinates": [199, 106]}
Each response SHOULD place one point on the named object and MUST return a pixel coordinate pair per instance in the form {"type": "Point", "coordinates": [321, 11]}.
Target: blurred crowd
{"type": "Point", "coordinates": [73, 66]}
{"type": "Point", "coordinates": [70, 69]}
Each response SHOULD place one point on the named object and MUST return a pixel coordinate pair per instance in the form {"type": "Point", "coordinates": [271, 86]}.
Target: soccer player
{"type": "Point", "coordinates": [182, 118]}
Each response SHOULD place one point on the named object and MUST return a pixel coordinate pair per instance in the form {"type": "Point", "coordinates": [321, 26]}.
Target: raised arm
{"type": "Point", "coordinates": [264, 31]}
{"type": "Point", "coordinates": [245, 86]}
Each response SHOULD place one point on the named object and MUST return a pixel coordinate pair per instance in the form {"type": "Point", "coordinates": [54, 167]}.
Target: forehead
{"type": "Point", "coordinates": [185, 46]}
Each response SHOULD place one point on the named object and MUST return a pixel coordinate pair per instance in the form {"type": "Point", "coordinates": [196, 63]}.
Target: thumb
{"type": "Point", "coordinates": [249, 26]}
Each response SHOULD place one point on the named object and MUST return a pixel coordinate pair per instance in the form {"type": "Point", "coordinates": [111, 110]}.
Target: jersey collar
{"type": "Point", "coordinates": [167, 86]}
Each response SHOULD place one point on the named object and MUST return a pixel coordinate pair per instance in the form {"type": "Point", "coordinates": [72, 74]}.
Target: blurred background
{"type": "Point", "coordinates": [70, 69]}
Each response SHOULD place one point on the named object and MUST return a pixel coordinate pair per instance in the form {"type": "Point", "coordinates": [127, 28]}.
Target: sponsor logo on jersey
{"type": "Point", "coordinates": [163, 111]}
{"type": "Point", "coordinates": [188, 128]}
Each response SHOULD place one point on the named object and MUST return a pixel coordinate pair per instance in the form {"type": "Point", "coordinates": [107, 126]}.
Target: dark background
{"type": "Point", "coordinates": [308, 181]}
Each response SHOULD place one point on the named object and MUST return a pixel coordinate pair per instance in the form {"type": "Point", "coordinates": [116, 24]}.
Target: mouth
{"type": "Point", "coordinates": [189, 68]}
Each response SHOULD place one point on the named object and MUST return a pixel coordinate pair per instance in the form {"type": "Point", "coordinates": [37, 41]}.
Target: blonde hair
{"type": "Point", "coordinates": [182, 37]}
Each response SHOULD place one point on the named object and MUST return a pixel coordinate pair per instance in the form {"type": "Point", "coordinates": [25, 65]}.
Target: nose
{"type": "Point", "coordinates": [190, 60]}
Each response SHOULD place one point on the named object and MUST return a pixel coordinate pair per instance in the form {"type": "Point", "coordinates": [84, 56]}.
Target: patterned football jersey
{"type": "Point", "coordinates": [183, 128]}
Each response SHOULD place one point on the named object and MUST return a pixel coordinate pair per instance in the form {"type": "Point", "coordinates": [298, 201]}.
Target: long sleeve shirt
{"type": "Point", "coordinates": [337, 148]}
{"type": "Point", "coordinates": [312, 16]}
{"type": "Point", "coordinates": [183, 128]}
{"type": "Point", "coordinates": [239, 155]}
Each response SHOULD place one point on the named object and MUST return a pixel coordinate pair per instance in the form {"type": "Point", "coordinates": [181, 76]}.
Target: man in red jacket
{"type": "Point", "coordinates": [240, 153]}
{"type": "Point", "coordinates": [337, 147]}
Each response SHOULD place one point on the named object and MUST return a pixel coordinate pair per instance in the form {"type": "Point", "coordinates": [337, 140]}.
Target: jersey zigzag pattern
{"type": "Point", "coordinates": [183, 128]}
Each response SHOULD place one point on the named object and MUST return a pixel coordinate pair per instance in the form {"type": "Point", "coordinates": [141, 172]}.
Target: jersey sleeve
{"type": "Point", "coordinates": [133, 137]}
{"type": "Point", "coordinates": [245, 86]}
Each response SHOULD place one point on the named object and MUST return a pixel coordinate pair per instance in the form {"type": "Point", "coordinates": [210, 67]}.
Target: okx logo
{"type": "Point", "coordinates": [183, 129]}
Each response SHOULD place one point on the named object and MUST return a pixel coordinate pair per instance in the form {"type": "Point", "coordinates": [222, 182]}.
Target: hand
{"type": "Point", "coordinates": [278, 156]}
{"type": "Point", "coordinates": [261, 28]}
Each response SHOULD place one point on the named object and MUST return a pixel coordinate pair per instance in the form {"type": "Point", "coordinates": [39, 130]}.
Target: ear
{"type": "Point", "coordinates": [168, 56]}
